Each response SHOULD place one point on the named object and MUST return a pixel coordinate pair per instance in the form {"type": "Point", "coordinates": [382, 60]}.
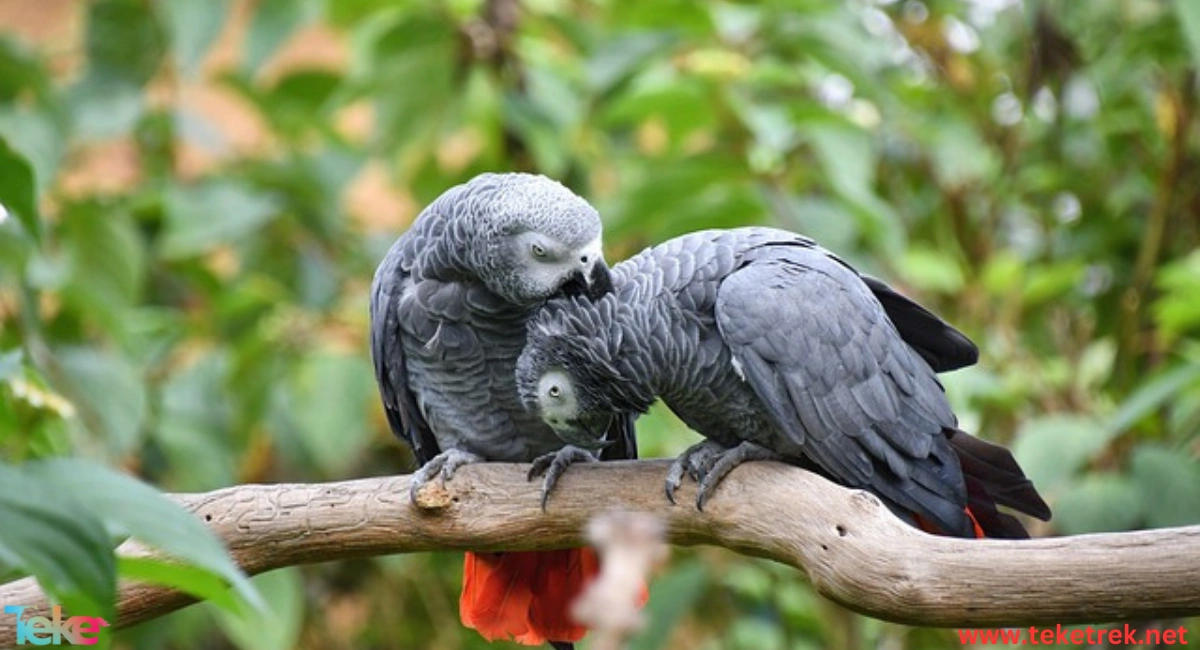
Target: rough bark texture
{"type": "Point", "coordinates": [852, 549]}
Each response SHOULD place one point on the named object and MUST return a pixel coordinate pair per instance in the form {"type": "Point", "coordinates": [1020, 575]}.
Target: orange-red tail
{"type": "Point", "coordinates": [525, 597]}
{"type": "Point", "coordinates": [928, 527]}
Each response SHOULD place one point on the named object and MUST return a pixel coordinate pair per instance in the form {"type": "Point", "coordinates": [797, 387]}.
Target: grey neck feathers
{"type": "Point", "coordinates": [650, 352]}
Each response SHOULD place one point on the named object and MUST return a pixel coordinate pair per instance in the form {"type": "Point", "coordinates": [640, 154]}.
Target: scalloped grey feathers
{"type": "Point", "coordinates": [449, 309]}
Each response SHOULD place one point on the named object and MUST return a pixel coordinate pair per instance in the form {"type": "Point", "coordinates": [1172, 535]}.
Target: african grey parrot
{"type": "Point", "coordinates": [449, 310]}
{"type": "Point", "coordinates": [773, 348]}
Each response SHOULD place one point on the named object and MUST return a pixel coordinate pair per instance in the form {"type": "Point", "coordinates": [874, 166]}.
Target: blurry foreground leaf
{"type": "Point", "coordinates": [16, 191]}
{"type": "Point", "coordinates": [128, 507]}
{"type": "Point", "coordinates": [277, 626]}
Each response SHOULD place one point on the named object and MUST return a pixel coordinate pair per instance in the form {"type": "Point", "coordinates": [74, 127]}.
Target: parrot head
{"type": "Point", "coordinates": [571, 372]}
{"type": "Point", "coordinates": [529, 238]}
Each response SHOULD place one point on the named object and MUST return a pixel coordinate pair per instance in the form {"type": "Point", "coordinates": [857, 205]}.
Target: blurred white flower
{"type": "Point", "coordinates": [1007, 110]}
{"type": "Point", "coordinates": [1080, 99]}
{"type": "Point", "coordinates": [1045, 106]}
{"type": "Point", "coordinates": [877, 23]}
{"type": "Point", "coordinates": [982, 13]}
{"type": "Point", "coordinates": [835, 91]}
{"type": "Point", "coordinates": [1067, 208]}
{"type": "Point", "coordinates": [960, 36]}
{"type": "Point", "coordinates": [915, 11]}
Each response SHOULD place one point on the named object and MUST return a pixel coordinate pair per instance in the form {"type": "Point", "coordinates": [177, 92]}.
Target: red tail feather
{"type": "Point", "coordinates": [525, 596]}
{"type": "Point", "coordinates": [928, 527]}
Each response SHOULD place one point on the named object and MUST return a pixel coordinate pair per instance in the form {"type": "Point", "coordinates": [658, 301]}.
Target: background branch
{"type": "Point", "coordinates": [853, 549]}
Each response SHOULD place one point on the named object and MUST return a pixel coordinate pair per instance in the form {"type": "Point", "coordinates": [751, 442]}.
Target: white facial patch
{"type": "Point", "coordinates": [556, 397]}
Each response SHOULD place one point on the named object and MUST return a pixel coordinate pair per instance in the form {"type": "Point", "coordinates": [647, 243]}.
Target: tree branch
{"type": "Point", "coordinates": [852, 548]}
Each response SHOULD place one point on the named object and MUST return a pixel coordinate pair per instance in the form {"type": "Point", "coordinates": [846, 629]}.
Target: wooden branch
{"type": "Point", "coordinates": [852, 548]}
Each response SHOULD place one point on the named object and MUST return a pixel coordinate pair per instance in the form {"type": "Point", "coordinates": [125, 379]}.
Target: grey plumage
{"type": "Point", "coordinates": [449, 308]}
{"type": "Point", "coordinates": [769, 346]}
{"type": "Point", "coordinates": [450, 305]}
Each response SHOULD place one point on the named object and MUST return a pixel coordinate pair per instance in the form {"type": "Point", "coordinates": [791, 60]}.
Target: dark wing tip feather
{"type": "Point", "coordinates": [942, 346]}
{"type": "Point", "coordinates": [997, 472]}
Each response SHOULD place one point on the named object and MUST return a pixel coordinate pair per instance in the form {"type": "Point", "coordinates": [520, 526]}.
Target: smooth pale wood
{"type": "Point", "coordinates": [850, 546]}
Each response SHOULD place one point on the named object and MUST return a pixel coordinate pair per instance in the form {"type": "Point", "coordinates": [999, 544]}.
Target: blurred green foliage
{"type": "Point", "coordinates": [196, 193]}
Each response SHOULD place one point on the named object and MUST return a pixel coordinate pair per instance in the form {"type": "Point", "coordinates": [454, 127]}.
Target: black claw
{"type": "Point", "coordinates": [553, 465]}
{"type": "Point", "coordinates": [539, 467]}
{"type": "Point", "coordinates": [670, 489]}
{"type": "Point", "coordinates": [703, 493]}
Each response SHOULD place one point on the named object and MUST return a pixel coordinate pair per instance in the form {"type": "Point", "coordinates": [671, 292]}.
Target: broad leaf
{"type": "Point", "coordinates": [17, 187]}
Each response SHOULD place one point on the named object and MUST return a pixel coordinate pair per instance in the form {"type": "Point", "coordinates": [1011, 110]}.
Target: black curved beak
{"type": "Point", "coordinates": [599, 281]}
{"type": "Point", "coordinates": [595, 283]}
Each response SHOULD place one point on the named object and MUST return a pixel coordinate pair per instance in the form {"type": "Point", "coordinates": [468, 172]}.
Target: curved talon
{"type": "Point", "coordinates": [539, 466]}
{"type": "Point", "coordinates": [444, 465]}
{"type": "Point", "coordinates": [674, 478]}
{"type": "Point", "coordinates": [553, 465]}
{"type": "Point", "coordinates": [716, 465]}
{"type": "Point", "coordinates": [695, 461]}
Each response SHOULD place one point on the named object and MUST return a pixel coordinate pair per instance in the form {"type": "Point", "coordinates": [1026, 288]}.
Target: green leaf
{"type": "Point", "coordinates": [125, 41]}
{"type": "Point", "coordinates": [278, 626]}
{"type": "Point", "coordinates": [847, 155]}
{"type": "Point", "coordinates": [931, 270]}
{"type": "Point", "coordinates": [129, 507]}
{"type": "Point", "coordinates": [1098, 503]}
{"type": "Point", "coordinates": [203, 584]}
{"type": "Point", "coordinates": [1177, 310]}
{"type": "Point", "coordinates": [10, 363]}
{"type": "Point", "coordinates": [20, 71]}
{"type": "Point", "coordinates": [40, 137]}
{"type": "Point", "coordinates": [1189, 22]}
{"type": "Point", "coordinates": [960, 156]}
{"type": "Point", "coordinates": [1169, 484]}
{"type": "Point", "coordinates": [17, 191]}
{"type": "Point", "coordinates": [616, 60]}
{"type": "Point", "coordinates": [328, 406]}
{"type": "Point", "coordinates": [107, 391]}
{"type": "Point", "coordinates": [273, 23]}
{"type": "Point", "coordinates": [194, 421]}
{"type": "Point", "coordinates": [1053, 448]}
{"type": "Point", "coordinates": [416, 51]}
{"type": "Point", "coordinates": [49, 535]}
{"type": "Point", "coordinates": [104, 108]}
{"type": "Point", "coordinates": [213, 213]}
{"type": "Point", "coordinates": [1151, 396]}
{"type": "Point", "coordinates": [106, 260]}
{"type": "Point", "coordinates": [672, 596]}
{"type": "Point", "coordinates": [299, 98]}
{"type": "Point", "coordinates": [193, 26]}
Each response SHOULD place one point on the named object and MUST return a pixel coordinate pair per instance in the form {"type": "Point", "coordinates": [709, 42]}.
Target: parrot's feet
{"type": "Point", "coordinates": [695, 462]}
{"type": "Point", "coordinates": [443, 465]}
{"type": "Point", "coordinates": [710, 469]}
{"type": "Point", "coordinates": [553, 465]}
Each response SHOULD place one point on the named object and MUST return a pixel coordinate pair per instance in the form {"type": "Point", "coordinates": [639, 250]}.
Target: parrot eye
{"type": "Point", "coordinates": [554, 391]}
{"type": "Point", "coordinates": [538, 250]}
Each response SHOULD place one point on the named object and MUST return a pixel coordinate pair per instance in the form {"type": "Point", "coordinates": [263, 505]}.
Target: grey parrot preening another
{"type": "Point", "coordinates": [450, 305]}
{"type": "Point", "coordinates": [773, 348]}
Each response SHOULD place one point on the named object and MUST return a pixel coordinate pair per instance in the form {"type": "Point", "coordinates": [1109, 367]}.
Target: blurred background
{"type": "Point", "coordinates": [197, 192]}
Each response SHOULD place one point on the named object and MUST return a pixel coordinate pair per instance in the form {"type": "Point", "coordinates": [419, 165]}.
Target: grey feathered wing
{"type": "Point", "coordinates": [837, 379]}
{"type": "Point", "coordinates": [387, 354]}
{"type": "Point", "coordinates": [939, 344]}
